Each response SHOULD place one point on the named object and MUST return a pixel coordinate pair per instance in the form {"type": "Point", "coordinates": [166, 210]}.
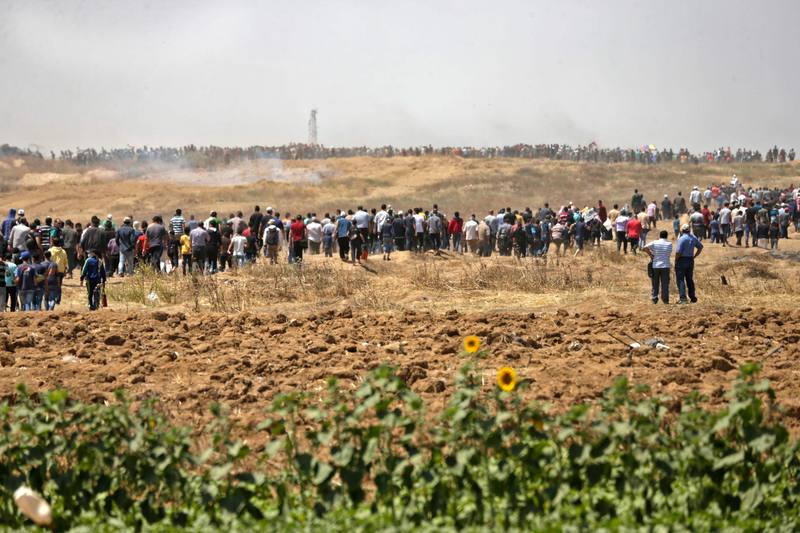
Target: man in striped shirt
{"type": "Point", "coordinates": [177, 223]}
{"type": "Point", "coordinates": [659, 252]}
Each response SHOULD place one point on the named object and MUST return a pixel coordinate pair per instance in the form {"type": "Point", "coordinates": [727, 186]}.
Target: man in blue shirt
{"type": "Point", "coordinates": [343, 226]}
{"type": "Point", "coordinates": [688, 248]}
{"type": "Point", "coordinates": [95, 276]}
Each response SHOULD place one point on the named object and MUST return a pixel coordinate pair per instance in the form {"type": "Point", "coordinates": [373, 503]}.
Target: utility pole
{"type": "Point", "coordinates": [312, 128]}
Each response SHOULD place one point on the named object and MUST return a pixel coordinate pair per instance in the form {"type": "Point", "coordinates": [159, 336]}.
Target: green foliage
{"type": "Point", "coordinates": [374, 459]}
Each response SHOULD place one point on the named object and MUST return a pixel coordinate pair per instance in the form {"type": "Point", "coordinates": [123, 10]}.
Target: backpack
{"type": "Point", "coordinates": [272, 236]}
{"type": "Point", "coordinates": [502, 233]}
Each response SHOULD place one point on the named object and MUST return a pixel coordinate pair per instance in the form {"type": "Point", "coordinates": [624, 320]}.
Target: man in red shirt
{"type": "Point", "coordinates": [454, 229]}
{"type": "Point", "coordinates": [707, 220]}
{"type": "Point", "coordinates": [634, 230]}
{"type": "Point", "coordinates": [298, 233]}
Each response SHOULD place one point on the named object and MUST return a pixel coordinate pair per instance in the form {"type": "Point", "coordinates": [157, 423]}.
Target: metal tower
{"type": "Point", "coordinates": [312, 128]}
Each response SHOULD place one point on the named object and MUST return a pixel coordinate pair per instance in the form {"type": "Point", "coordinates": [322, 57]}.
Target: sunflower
{"type": "Point", "coordinates": [472, 344]}
{"type": "Point", "coordinates": [507, 379]}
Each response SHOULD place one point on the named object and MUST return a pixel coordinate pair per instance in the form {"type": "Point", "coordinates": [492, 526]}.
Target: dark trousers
{"type": "Point", "coordinates": [344, 247]}
{"type": "Point", "coordinates": [622, 241]}
{"type": "Point", "coordinates": [187, 263]}
{"type": "Point", "coordinates": [198, 258]}
{"type": "Point", "coordinates": [155, 258]}
{"type": "Point", "coordinates": [436, 241]}
{"type": "Point", "coordinates": [661, 281]}
{"type": "Point", "coordinates": [93, 292]}
{"type": "Point", "coordinates": [684, 274]}
{"type": "Point", "coordinates": [11, 298]}
{"type": "Point", "coordinates": [298, 251]}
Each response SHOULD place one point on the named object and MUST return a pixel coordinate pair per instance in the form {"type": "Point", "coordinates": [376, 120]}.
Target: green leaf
{"type": "Point", "coordinates": [219, 472]}
{"type": "Point", "coordinates": [729, 460]}
{"type": "Point", "coordinates": [324, 473]}
{"type": "Point", "coordinates": [763, 443]}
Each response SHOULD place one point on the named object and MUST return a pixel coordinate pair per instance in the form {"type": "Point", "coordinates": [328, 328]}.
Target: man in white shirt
{"type": "Point", "coordinates": [695, 197]}
{"type": "Point", "coordinates": [471, 234]}
{"type": "Point", "coordinates": [380, 218]}
{"type": "Point", "coordinates": [725, 218]}
{"type": "Point", "coordinates": [621, 227]}
{"type": "Point", "coordinates": [237, 249]}
{"type": "Point", "coordinates": [660, 251]}
{"type": "Point", "coordinates": [19, 235]}
{"type": "Point", "coordinates": [314, 231]}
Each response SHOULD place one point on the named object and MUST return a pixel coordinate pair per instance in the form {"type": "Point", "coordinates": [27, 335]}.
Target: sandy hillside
{"type": "Point", "coordinates": [469, 185]}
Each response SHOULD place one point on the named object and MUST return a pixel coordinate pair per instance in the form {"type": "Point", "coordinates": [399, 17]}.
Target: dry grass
{"type": "Point", "coordinates": [252, 287]}
{"type": "Point", "coordinates": [467, 185]}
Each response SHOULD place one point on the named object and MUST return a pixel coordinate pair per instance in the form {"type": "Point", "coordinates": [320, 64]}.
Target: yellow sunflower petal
{"type": "Point", "coordinates": [507, 379]}
{"type": "Point", "coordinates": [472, 344]}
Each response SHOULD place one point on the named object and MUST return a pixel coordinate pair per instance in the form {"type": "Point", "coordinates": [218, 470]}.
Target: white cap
{"type": "Point", "coordinates": [21, 212]}
{"type": "Point", "coordinates": [109, 216]}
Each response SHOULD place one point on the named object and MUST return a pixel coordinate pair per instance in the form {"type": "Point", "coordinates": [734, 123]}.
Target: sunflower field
{"type": "Point", "coordinates": [373, 459]}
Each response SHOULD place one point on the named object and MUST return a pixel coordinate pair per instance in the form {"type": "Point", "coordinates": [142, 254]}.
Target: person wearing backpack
{"type": "Point", "coordinates": [504, 238]}
{"type": "Point", "coordinates": [26, 281]}
{"type": "Point", "coordinates": [272, 239]}
{"type": "Point", "coordinates": [52, 284]}
{"type": "Point", "coordinates": [94, 274]}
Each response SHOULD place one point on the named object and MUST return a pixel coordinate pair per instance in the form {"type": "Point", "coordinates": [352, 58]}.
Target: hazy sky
{"type": "Point", "coordinates": [695, 73]}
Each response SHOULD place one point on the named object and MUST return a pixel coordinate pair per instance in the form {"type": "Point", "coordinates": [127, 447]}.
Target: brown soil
{"type": "Point", "coordinates": [188, 360]}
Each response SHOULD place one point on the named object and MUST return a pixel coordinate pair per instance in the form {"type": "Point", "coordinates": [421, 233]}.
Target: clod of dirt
{"type": "Point", "coordinates": [412, 374]}
{"type": "Point", "coordinates": [160, 316]}
{"type": "Point", "coordinates": [679, 376]}
{"type": "Point", "coordinates": [436, 386]}
{"type": "Point", "coordinates": [202, 348]}
{"type": "Point", "coordinates": [7, 359]}
{"type": "Point", "coordinates": [395, 347]}
{"type": "Point", "coordinates": [317, 348]}
{"type": "Point", "coordinates": [280, 318]}
{"type": "Point", "coordinates": [451, 314]}
{"type": "Point", "coordinates": [114, 340]}
{"type": "Point", "coordinates": [719, 363]}
{"type": "Point", "coordinates": [138, 378]}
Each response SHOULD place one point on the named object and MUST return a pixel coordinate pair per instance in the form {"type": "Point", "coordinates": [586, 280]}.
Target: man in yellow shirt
{"type": "Point", "coordinates": [186, 251]}
{"type": "Point", "coordinates": [58, 256]}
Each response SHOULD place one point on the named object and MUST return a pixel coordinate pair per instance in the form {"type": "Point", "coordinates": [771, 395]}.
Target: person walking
{"type": "Point", "coordinates": [687, 250]}
{"type": "Point", "coordinates": [659, 252]}
{"type": "Point", "coordinates": [343, 226]}
{"type": "Point", "coordinates": [299, 236]}
{"type": "Point", "coordinates": [126, 243]}
{"type": "Point", "coordinates": [94, 274]}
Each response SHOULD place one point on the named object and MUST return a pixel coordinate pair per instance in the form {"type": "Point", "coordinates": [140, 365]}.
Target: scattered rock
{"type": "Point", "coordinates": [436, 386]}
{"type": "Point", "coordinates": [160, 316]}
{"type": "Point", "coordinates": [203, 347]}
{"type": "Point", "coordinates": [138, 378]}
{"type": "Point", "coordinates": [447, 349]}
{"type": "Point", "coordinates": [317, 348]}
{"type": "Point", "coordinates": [396, 347]}
{"type": "Point", "coordinates": [114, 340]}
{"type": "Point", "coordinates": [7, 359]}
{"type": "Point", "coordinates": [575, 346]}
{"type": "Point", "coordinates": [411, 374]}
{"type": "Point", "coordinates": [679, 376]}
{"type": "Point", "coordinates": [722, 364]}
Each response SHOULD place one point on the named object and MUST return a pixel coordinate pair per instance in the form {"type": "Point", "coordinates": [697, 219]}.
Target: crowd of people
{"type": "Point", "coordinates": [207, 156]}
{"type": "Point", "coordinates": [40, 253]}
